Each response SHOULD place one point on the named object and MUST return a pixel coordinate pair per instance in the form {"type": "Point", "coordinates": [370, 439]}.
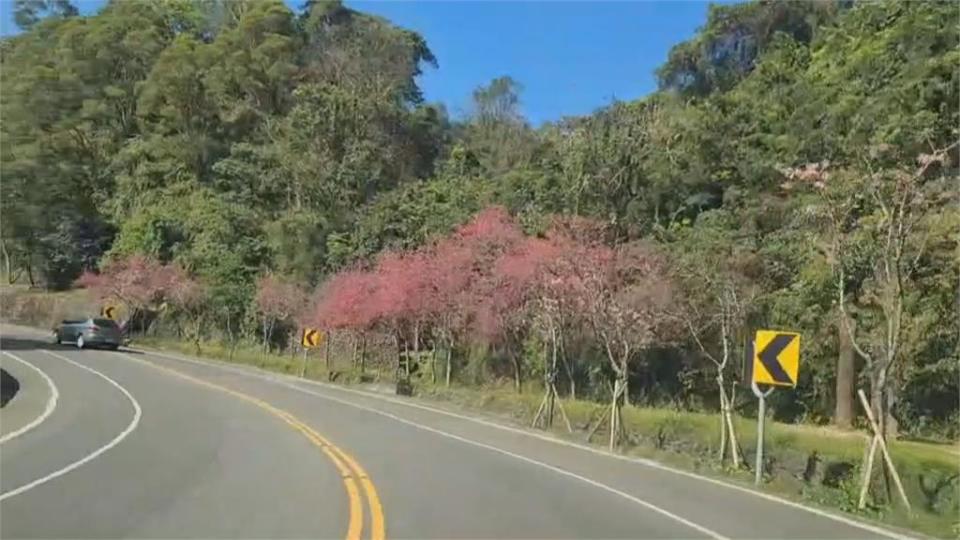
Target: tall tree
{"type": "Point", "coordinates": [496, 131]}
{"type": "Point", "coordinates": [27, 13]}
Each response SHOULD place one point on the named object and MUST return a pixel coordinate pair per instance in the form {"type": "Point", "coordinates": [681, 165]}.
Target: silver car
{"type": "Point", "coordinates": [89, 333]}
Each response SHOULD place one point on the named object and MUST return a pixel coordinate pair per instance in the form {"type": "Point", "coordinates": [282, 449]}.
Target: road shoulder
{"type": "Point", "coordinates": [34, 399]}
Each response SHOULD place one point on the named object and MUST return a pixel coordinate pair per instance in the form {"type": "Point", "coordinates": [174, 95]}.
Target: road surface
{"type": "Point", "coordinates": [141, 444]}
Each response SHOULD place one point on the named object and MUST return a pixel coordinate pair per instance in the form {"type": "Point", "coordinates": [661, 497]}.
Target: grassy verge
{"type": "Point", "coordinates": [690, 440]}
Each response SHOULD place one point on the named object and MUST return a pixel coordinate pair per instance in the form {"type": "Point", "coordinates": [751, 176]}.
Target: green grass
{"type": "Point", "coordinates": [690, 440]}
{"type": "Point", "coordinates": [700, 428]}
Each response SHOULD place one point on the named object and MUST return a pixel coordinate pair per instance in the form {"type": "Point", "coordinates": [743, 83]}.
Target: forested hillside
{"type": "Point", "coordinates": [797, 169]}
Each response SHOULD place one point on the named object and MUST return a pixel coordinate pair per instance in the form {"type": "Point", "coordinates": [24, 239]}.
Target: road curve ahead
{"type": "Point", "coordinates": [152, 445]}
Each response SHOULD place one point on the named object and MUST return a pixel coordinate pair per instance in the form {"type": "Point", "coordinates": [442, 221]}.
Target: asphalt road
{"type": "Point", "coordinates": [144, 445]}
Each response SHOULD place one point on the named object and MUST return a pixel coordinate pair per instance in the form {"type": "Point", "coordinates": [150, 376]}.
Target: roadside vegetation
{"type": "Point", "coordinates": [816, 464]}
{"type": "Point", "coordinates": [230, 172]}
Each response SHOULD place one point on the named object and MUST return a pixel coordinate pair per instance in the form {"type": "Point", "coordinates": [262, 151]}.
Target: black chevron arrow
{"type": "Point", "coordinates": [769, 357]}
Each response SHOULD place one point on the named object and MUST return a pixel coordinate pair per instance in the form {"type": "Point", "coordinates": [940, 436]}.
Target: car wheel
{"type": "Point", "coordinates": [113, 347]}
{"type": "Point", "coordinates": [80, 343]}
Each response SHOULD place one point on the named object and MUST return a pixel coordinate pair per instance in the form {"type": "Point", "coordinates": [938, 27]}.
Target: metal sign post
{"type": "Point", "coordinates": [309, 339]}
{"type": "Point", "coordinates": [774, 360]}
{"type": "Point", "coordinates": [303, 367]}
{"type": "Point", "coordinates": [761, 416]}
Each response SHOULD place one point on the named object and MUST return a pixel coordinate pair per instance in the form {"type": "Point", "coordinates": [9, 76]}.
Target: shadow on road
{"type": "Point", "coordinates": [32, 344]}
{"type": "Point", "coordinates": [25, 344]}
{"type": "Point", "coordinates": [9, 386]}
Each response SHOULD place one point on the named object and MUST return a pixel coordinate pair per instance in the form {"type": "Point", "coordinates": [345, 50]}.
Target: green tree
{"type": "Point", "coordinates": [27, 13]}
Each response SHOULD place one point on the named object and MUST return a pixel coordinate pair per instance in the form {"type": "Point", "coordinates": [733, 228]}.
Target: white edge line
{"type": "Point", "coordinates": [47, 411]}
{"type": "Point", "coordinates": [282, 379]}
{"type": "Point", "coordinates": [709, 533]}
{"type": "Point", "coordinates": [116, 440]}
{"type": "Point", "coordinates": [641, 502]}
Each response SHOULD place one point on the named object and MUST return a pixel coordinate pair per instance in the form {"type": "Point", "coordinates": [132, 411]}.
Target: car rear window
{"type": "Point", "coordinates": [105, 322]}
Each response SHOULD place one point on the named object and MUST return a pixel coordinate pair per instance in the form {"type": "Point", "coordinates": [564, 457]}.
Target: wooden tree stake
{"type": "Point", "coordinates": [867, 473]}
{"type": "Point", "coordinates": [545, 411]}
{"type": "Point", "coordinates": [878, 440]}
{"type": "Point", "coordinates": [600, 421]}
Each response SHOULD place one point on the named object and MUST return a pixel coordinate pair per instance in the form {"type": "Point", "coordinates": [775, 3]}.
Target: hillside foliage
{"type": "Point", "coordinates": [250, 169]}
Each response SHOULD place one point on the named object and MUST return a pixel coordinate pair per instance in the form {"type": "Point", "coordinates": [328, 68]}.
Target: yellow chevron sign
{"type": "Point", "coordinates": [109, 312]}
{"type": "Point", "coordinates": [311, 338]}
{"type": "Point", "coordinates": [776, 358]}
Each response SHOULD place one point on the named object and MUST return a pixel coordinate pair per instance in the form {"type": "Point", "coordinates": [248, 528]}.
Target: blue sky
{"type": "Point", "coordinates": [570, 57]}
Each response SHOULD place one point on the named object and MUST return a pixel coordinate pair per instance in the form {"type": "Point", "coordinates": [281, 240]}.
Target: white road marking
{"type": "Point", "coordinates": [283, 380]}
{"type": "Point", "coordinates": [47, 411]}
{"type": "Point", "coordinates": [558, 470]}
{"type": "Point", "coordinates": [93, 455]}
{"type": "Point", "coordinates": [709, 533]}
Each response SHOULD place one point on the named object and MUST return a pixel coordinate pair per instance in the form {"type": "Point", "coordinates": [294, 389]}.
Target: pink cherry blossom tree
{"type": "Point", "coordinates": [577, 244]}
{"type": "Point", "coordinates": [139, 283]}
{"type": "Point", "coordinates": [625, 298]}
{"type": "Point", "coordinates": [277, 302]}
{"type": "Point", "coordinates": [136, 281]}
{"type": "Point", "coordinates": [492, 302]}
{"type": "Point", "coordinates": [401, 300]}
{"type": "Point", "coordinates": [489, 282]}
{"type": "Point", "coordinates": [344, 303]}
{"type": "Point", "coordinates": [510, 301]}
{"type": "Point", "coordinates": [448, 273]}
{"type": "Point", "coordinates": [188, 296]}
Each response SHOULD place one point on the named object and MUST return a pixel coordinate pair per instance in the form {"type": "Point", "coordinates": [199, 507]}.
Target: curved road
{"type": "Point", "coordinates": [152, 445]}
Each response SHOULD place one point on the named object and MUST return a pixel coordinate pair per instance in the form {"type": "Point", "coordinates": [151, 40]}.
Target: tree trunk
{"type": "Point", "coordinates": [326, 352]}
{"type": "Point", "coordinates": [876, 403]}
{"type": "Point", "coordinates": [363, 355]}
{"type": "Point", "coordinates": [723, 422]}
{"type": "Point", "coordinates": [449, 361]}
{"type": "Point", "coordinates": [196, 335]}
{"type": "Point", "coordinates": [616, 413]}
{"type": "Point", "coordinates": [266, 332]}
{"type": "Point", "coordinates": [273, 324]}
{"type": "Point", "coordinates": [406, 356]}
{"type": "Point", "coordinates": [231, 337]}
{"type": "Point", "coordinates": [551, 379]}
{"type": "Point", "coordinates": [554, 353]}
{"type": "Point", "coordinates": [517, 382]}
{"type": "Point", "coordinates": [566, 366]}
{"type": "Point", "coordinates": [728, 436]}
{"type": "Point", "coordinates": [893, 426]}
{"type": "Point", "coordinates": [734, 442]}
{"type": "Point", "coordinates": [626, 389]}
{"type": "Point", "coordinates": [846, 377]}
{"type": "Point", "coordinates": [6, 262]}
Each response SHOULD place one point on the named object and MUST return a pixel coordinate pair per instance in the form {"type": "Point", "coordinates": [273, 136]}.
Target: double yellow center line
{"type": "Point", "coordinates": [354, 476]}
